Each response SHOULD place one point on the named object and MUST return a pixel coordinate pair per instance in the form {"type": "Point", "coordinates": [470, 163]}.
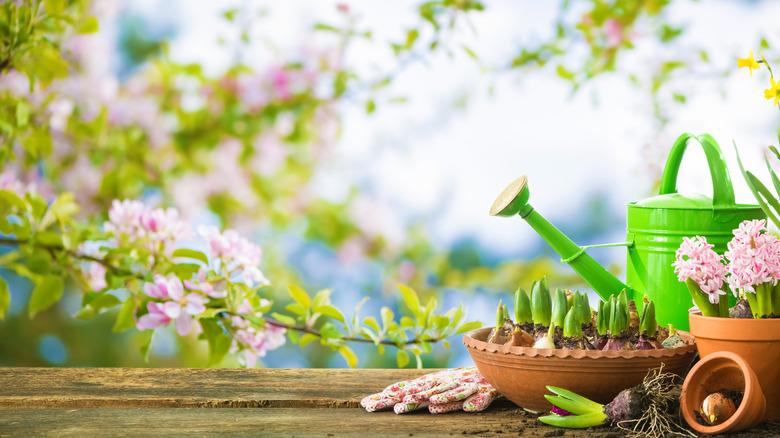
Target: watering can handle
{"type": "Point", "coordinates": [723, 201]}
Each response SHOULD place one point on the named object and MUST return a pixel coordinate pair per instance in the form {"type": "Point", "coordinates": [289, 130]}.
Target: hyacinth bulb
{"type": "Point", "coordinates": [717, 408]}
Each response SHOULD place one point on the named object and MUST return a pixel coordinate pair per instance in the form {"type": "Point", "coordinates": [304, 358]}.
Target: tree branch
{"type": "Point", "coordinates": [349, 338]}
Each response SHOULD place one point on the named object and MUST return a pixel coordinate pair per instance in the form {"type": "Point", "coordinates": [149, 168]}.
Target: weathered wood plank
{"type": "Point", "coordinates": [73, 402]}
{"type": "Point", "coordinates": [36, 388]}
{"type": "Point", "coordinates": [292, 422]}
{"type": "Point", "coordinates": [288, 422]}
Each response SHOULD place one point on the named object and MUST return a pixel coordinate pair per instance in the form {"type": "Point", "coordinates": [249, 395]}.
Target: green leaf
{"type": "Point", "coordinates": [146, 343]}
{"type": "Point", "coordinates": [294, 336]}
{"type": "Point", "coordinates": [470, 53]}
{"type": "Point", "coordinates": [9, 199]}
{"type": "Point", "coordinates": [329, 333]}
{"type": "Point", "coordinates": [89, 25]}
{"type": "Point", "coordinates": [218, 341]}
{"type": "Point", "coordinates": [54, 7]}
{"type": "Point", "coordinates": [349, 355]}
{"type": "Point", "coordinates": [428, 315]}
{"type": "Point", "coordinates": [775, 180]}
{"type": "Point", "coordinates": [407, 322]}
{"type": "Point", "coordinates": [321, 298]}
{"type": "Point", "coordinates": [590, 404]}
{"type": "Point", "coordinates": [370, 106]}
{"type": "Point", "coordinates": [37, 203]}
{"type": "Point", "coordinates": [330, 312]}
{"type": "Point", "coordinates": [411, 300]}
{"type": "Point", "coordinates": [402, 358]}
{"type": "Point", "coordinates": [326, 28]}
{"type": "Point", "coordinates": [564, 73]}
{"type": "Point", "coordinates": [63, 208]}
{"type": "Point", "coordinates": [572, 406]}
{"type": "Point", "coordinates": [469, 326]}
{"type": "Point", "coordinates": [5, 299]}
{"type": "Point", "coordinates": [296, 309]}
{"type": "Point", "coordinates": [125, 320]}
{"type": "Point", "coordinates": [22, 114]}
{"type": "Point", "coordinates": [300, 296]}
{"type": "Point", "coordinates": [411, 37]}
{"type": "Point", "coordinates": [307, 339]}
{"type": "Point", "coordinates": [185, 270]}
{"type": "Point", "coordinates": [371, 322]}
{"type": "Point", "coordinates": [284, 319]}
{"type": "Point", "coordinates": [355, 315]}
{"type": "Point", "coordinates": [47, 292]}
{"type": "Point", "coordinates": [104, 301]}
{"type": "Point", "coordinates": [191, 254]}
{"type": "Point", "coordinates": [387, 316]}
{"type": "Point", "coordinates": [575, 421]}
{"type": "Point", "coordinates": [230, 14]}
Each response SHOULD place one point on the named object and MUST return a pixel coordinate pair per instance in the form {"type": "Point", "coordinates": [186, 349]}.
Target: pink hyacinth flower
{"type": "Point", "coordinates": [695, 259]}
{"type": "Point", "coordinates": [754, 257]}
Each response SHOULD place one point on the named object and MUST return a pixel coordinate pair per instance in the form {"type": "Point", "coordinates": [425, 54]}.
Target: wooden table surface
{"type": "Point", "coordinates": [258, 402]}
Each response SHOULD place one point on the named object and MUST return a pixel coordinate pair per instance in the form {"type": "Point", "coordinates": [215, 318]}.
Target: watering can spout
{"type": "Point", "coordinates": [514, 201]}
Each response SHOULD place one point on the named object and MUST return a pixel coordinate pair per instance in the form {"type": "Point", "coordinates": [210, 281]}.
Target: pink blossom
{"type": "Point", "coordinates": [236, 252]}
{"type": "Point", "coordinates": [177, 306]}
{"type": "Point", "coordinates": [137, 221]}
{"type": "Point", "coordinates": [155, 318]}
{"type": "Point", "coordinates": [164, 225]}
{"type": "Point", "coordinates": [697, 260]}
{"type": "Point", "coordinates": [125, 218]}
{"type": "Point", "coordinates": [613, 31]}
{"type": "Point", "coordinates": [204, 286]}
{"type": "Point", "coordinates": [9, 181]}
{"type": "Point", "coordinates": [754, 257]}
{"type": "Point", "coordinates": [281, 82]}
{"type": "Point", "coordinates": [257, 342]}
{"type": "Point", "coordinates": [96, 277]}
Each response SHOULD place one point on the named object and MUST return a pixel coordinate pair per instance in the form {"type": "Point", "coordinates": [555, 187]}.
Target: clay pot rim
{"type": "Point", "coordinates": [750, 388]}
{"type": "Point", "coordinates": [722, 320]}
{"type": "Point", "coordinates": [472, 340]}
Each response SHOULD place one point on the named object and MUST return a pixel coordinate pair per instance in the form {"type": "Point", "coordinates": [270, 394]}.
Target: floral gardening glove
{"type": "Point", "coordinates": [442, 391]}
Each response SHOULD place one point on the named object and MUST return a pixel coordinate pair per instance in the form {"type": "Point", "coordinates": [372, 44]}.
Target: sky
{"type": "Point", "coordinates": [428, 160]}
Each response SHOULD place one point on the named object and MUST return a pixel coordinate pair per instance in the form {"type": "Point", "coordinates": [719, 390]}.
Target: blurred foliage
{"type": "Point", "coordinates": [246, 145]}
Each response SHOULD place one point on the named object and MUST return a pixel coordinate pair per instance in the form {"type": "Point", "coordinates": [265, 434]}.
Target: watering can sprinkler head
{"type": "Point", "coordinates": [512, 200]}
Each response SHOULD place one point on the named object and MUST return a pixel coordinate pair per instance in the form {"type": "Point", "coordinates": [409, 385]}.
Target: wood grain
{"type": "Point", "coordinates": [258, 422]}
{"type": "Point", "coordinates": [36, 388]}
{"type": "Point", "coordinates": [262, 402]}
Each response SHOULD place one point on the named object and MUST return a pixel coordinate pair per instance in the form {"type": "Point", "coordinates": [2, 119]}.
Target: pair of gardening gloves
{"type": "Point", "coordinates": [442, 391]}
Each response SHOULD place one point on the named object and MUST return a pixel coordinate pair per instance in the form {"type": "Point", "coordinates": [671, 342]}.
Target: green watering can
{"type": "Point", "coordinates": [656, 227]}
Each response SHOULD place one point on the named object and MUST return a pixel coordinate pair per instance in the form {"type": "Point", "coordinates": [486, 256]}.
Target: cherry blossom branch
{"type": "Point", "coordinates": [305, 329]}
{"type": "Point", "coordinates": [72, 254]}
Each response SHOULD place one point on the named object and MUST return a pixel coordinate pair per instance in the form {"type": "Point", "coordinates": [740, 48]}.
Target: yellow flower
{"type": "Point", "coordinates": [748, 62]}
{"type": "Point", "coordinates": [773, 91]}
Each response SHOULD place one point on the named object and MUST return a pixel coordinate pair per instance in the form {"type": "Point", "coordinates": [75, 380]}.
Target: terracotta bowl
{"type": "Point", "coordinates": [522, 373]}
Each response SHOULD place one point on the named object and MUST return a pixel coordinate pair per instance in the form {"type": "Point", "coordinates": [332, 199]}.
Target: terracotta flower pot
{"type": "Point", "coordinates": [723, 370]}
{"type": "Point", "coordinates": [521, 374]}
{"type": "Point", "coordinates": [757, 341]}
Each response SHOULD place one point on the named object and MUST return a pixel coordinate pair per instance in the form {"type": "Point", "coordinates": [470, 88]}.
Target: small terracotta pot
{"type": "Point", "coordinates": [521, 374]}
{"type": "Point", "coordinates": [723, 370]}
{"type": "Point", "coordinates": [757, 341]}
